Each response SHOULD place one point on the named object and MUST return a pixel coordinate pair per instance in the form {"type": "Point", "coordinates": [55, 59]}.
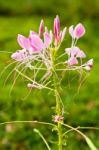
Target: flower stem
{"type": "Point", "coordinates": [58, 103]}
{"type": "Point", "coordinates": [58, 112]}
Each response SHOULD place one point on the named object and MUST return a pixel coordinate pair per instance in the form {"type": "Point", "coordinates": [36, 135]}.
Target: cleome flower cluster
{"type": "Point", "coordinates": [37, 52]}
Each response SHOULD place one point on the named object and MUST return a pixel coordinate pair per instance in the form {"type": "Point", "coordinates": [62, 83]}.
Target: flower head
{"type": "Point", "coordinates": [40, 48]}
{"type": "Point", "coordinates": [74, 53]}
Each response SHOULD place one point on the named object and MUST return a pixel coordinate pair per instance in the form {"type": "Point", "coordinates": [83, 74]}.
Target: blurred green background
{"type": "Point", "coordinates": [82, 109]}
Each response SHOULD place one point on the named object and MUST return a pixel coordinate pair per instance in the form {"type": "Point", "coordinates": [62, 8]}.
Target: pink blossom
{"type": "Point", "coordinates": [33, 43]}
{"type": "Point", "coordinates": [75, 52]}
{"type": "Point", "coordinates": [77, 32]}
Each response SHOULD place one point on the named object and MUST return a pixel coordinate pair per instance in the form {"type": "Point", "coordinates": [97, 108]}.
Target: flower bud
{"type": "Point", "coordinates": [58, 118]}
{"type": "Point", "coordinates": [89, 65]}
{"type": "Point", "coordinates": [41, 28]}
{"type": "Point", "coordinates": [79, 31]}
{"type": "Point", "coordinates": [56, 26]}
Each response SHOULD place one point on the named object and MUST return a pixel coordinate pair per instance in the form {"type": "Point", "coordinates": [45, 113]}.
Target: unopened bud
{"type": "Point", "coordinates": [41, 28]}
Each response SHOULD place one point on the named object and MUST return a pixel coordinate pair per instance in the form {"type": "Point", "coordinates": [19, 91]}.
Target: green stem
{"type": "Point", "coordinates": [58, 112]}
{"type": "Point", "coordinates": [58, 105]}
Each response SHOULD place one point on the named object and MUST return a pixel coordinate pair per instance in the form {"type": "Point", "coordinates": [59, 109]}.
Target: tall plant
{"type": "Point", "coordinates": [40, 56]}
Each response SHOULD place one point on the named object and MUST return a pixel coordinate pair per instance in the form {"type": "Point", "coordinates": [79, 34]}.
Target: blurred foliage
{"type": "Point", "coordinates": [82, 8]}
{"type": "Point", "coordinates": [82, 108]}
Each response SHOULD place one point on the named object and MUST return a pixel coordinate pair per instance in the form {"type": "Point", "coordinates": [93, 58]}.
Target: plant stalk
{"type": "Point", "coordinates": [58, 112]}
{"type": "Point", "coordinates": [58, 105]}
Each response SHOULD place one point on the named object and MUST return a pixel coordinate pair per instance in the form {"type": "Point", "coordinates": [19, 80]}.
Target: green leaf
{"type": "Point", "coordinates": [91, 145]}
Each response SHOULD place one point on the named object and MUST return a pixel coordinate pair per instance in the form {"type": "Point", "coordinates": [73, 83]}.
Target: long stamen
{"type": "Point", "coordinates": [5, 68]}
{"type": "Point", "coordinates": [16, 79]}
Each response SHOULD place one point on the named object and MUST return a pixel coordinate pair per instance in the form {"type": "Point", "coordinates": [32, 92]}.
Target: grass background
{"type": "Point", "coordinates": [83, 109]}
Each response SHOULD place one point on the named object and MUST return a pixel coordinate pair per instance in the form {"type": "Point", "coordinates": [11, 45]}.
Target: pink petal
{"type": "Point", "coordinates": [47, 39]}
{"type": "Point", "coordinates": [72, 61]}
{"type": "Point", "coordinates": [75, 52]}
{"type": "Point", "coordinates": [19, 55]}
{"type": "Point", "coordinates": [41, 28]}
{"type": "Point", "coordinates": [36, 43]}
{"type": "Point", "coordinates": [81, 54]}
{"type": "Point", "coordinates": [14, 56]}
{"type": "Point", "coordinates": [79, 30]}
{"type": "Point", "coordinates": [72, 51]}
{"type": "Point", "coordinates": [23, 41]}
{"type": "Point", "coordinates": [32, 33]}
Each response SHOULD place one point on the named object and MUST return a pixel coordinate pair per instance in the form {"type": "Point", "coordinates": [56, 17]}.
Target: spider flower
{"type": "Point", "coordinates": [40, 48]}
{"type": "Point", "coordinates": [74, 53]}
